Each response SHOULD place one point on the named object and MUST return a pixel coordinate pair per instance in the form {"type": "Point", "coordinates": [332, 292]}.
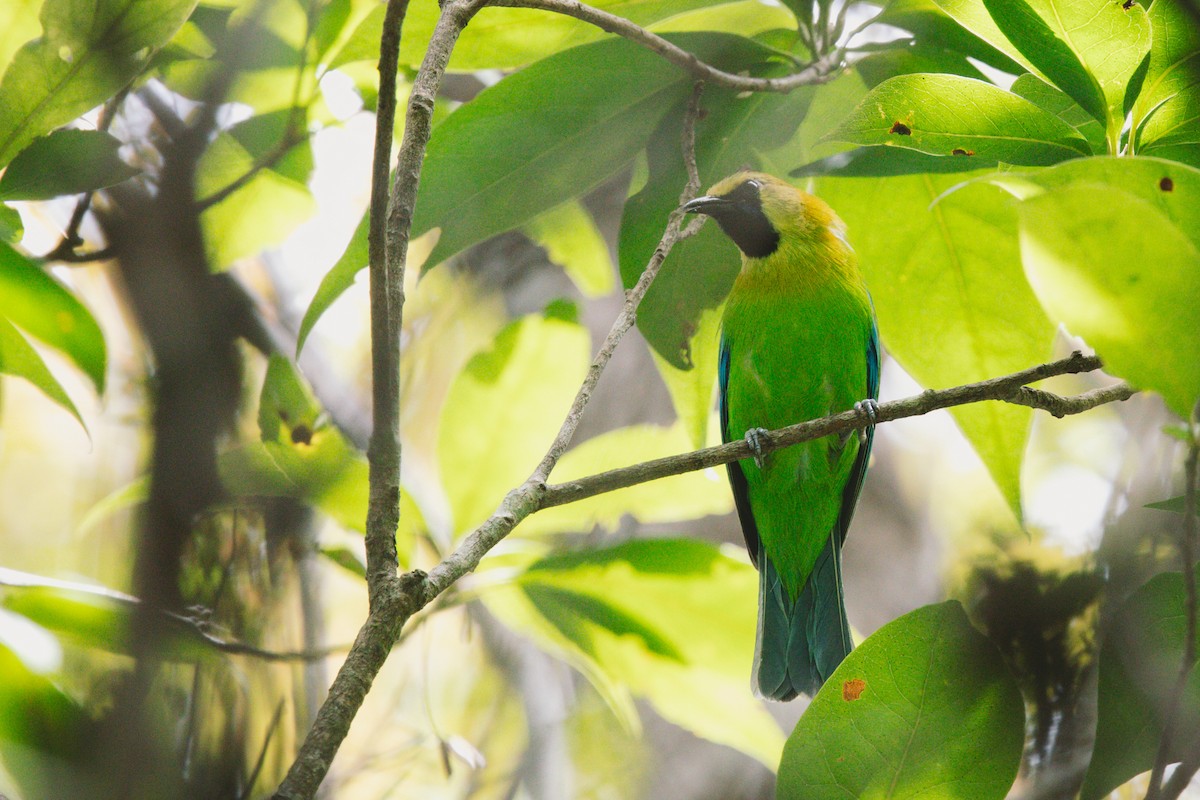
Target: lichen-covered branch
{"type": "Point", "coordinates": [1003, 389]}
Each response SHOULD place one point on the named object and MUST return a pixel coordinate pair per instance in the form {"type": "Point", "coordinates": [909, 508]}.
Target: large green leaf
{"type": "Point", "coordinates": [41, 306]}
{"type": "Point", "coordinates": [1173, 189]}
{"type": "Point", "coordinates": [668, 620]}
{"type": "Point", "coordinates": [923, 708]}
{"type": "Point", "coordinates": [1088, 48]}
{"type": "Point", "coordinates": [1139, 665]}
{"type": "Point", "coordinates": [86, 53]}
{"type": "Point", "coordinates": [509, 155]}
{"type": "Point", "coordinates": [949, 115]}
{"type": "Point", "coordinates": [1118, 272]}
{"type": "Point", "coordinates": [676, 499]}
{"type": "Point", "coordinates": [503, 411]}
{"type": "Point", "coordinates": [953, 304]}
{"type": "Point", "coordinates": [64, 162]}
{"type": "Point", "coordinates": [1168, 109]}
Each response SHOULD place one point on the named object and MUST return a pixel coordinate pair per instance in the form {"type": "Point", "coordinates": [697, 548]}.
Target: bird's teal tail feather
{"type": "Point", "coordinates": [800, 644]}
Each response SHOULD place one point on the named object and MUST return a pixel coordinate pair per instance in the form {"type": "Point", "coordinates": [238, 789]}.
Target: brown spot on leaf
{"type": "Point", "coordinates": [1167, 185]}
{"type": "Point", "coordinates": [301, 434]}
{"type": "Point", "coordinates": [853, 689]}
{"type": "Point", "coordinates": [900, 128]}
{"type": "Point", "coordinates": [958, 151]}
{"type": "Point", "coordinates": [1128, 4]}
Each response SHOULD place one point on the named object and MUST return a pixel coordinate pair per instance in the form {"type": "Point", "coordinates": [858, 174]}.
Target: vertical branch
{"type": "Point", "coordinates": [392, 601]}
{"type": "Point", "coordinates": [384, 450]}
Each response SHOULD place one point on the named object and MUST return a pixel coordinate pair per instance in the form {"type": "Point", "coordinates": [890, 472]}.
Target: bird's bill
{"type": "Point", "coordinates": [704, 205]}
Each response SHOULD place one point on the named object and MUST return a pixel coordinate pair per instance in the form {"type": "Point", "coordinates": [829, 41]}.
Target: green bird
{"type": "Point", "coordinates": [798, 342]}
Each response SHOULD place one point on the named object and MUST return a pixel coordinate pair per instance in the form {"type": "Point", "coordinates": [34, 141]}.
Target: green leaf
{"type": "Point", "coordinates": [31, 298]}
{"type": "Point", "coordinates": [1118, 272]}
{"type": "Point", "coordinates": [1171, 188]}
{"type": "Point", "coordinates": [914, 58]}
{"type": "Point", "coordinates": [1168, 108]}
{"type": "Point", "coordinates": [680, 498]}
{"type": "Point", "coordinates": [11, 226]}
{"type": "Point", "coordinates": [503, 411]}
{"type": "Point", "coordinates": [18, 24]}
{"type": "Point", "coordinates": [570, 238]}
{"type": "Point", "coordinates": [948, 115]}
{"type": "Point", "coordinates": [1139, 665]}
{"type": "Point", "coordinates": [668, 620]}
{"type": "Point", "coordinates": [65, 162]}
{"type": "Point", "coordinates": [44, 734]}
{"type": "Point", "coordinates": [976, 18]}
{"type": "Point", "coordinates": [17, 357]}
{"type": "Point", "coordinates": [88, 51]}
{"type": "Point", "coordinates": [950, 272]}
{"type": "Point", "coordinates": [933, 27]}
{"type": "Point", "coordinates": [263, 211]}
{"type": "Point", "coordinates": [881, 161]}
{"type": "Point", "coordinates": [1088, 48]}
{"type": "Point", "coordinates": [287, 410]}
{"type": "Point", "coordinates": [1048, 98]}
{"type": "Point", "coordinates": [1177, 505]}
{"type": "Point", "coordinates": [922, 708]}
{"type": "Point", "coordinates": [508, 155]}
{"type": "Point", "coordinates": [339, 278]}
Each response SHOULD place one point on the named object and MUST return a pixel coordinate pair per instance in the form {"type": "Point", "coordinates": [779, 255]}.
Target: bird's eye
{"type": "Point", "coordinates": [753, 184]}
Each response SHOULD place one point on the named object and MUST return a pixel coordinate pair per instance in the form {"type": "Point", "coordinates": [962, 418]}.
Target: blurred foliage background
{"type": "Point", "coordinates": [602, 650]}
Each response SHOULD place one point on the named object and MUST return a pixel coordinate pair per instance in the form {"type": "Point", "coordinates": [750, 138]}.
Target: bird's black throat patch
{"type": "Point", "coordinates": [741, 217]}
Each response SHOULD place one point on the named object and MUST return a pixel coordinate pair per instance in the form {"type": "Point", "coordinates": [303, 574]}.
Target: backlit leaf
{"type": "Point", "coordinates": [923, 708]}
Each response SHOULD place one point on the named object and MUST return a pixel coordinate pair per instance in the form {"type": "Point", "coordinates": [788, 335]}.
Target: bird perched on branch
{"type": "Point", "coordinates": [798, 342]}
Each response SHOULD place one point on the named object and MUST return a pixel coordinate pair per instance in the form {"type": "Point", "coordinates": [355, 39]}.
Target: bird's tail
{"type": "Point", "coordinates": [800, 644]}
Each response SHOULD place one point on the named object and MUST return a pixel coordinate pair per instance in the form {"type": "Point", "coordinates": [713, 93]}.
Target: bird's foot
{"type": "Point", "coordinates": [867, 409]}
{"type": "Point", "coordinates": [754, 439]}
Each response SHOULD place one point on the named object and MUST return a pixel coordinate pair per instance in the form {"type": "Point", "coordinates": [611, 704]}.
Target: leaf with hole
{"type": "Point", "coordinates": [948, 115]}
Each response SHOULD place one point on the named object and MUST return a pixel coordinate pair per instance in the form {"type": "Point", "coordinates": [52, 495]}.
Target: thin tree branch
{"type": "Point", "coordinates": [1060, 407]}
{"type": "Point", "coordinates": [386, 319]}
{"type": "Point", "coordinates": [1003, 389]}
{"type": "Point", "coordinates": [819, 71]}
{"type": "Point", "coordinates": [392, 600]}
{"type": "Point", "coordinates": [530, 496]}
{"type": "Point", "coordinates": [1167, 745]}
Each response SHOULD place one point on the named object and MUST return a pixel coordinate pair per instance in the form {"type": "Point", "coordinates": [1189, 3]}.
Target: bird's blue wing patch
{"type": "Point", "coordinates": [737, 479]}
{"type": "Point", "coordinates": [859, 470]}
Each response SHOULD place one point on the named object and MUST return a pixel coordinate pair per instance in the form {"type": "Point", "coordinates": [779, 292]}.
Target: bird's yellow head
{"type": "Point", "coordinates": [756, 210]}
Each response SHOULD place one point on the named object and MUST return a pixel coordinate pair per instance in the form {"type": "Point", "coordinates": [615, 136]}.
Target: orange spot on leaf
{"type": "Point", "coordinates": [900, 128]}
{"type": "Point", "coordinates": [853, 689]}
{"type": "Point", "coordinates": [958, 151]}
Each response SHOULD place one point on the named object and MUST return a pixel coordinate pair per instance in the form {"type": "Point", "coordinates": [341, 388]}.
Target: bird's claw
{"type": "Point", "coordinates": [868, 409]}
{"type": "Point", "coordinates": [754, 439]}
